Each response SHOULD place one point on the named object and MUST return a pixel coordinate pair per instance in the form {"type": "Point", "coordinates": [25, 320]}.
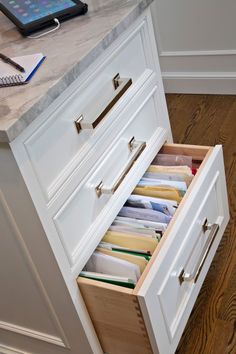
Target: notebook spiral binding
{"type": "Point", "coordinates": [13, 80]}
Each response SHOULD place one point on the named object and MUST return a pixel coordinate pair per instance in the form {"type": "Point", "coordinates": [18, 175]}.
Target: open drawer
{"type": "Point", "coordinates": [151, 317]}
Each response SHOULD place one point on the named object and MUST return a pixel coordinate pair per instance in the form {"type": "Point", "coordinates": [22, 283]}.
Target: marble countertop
{"type": "Point", "coordinates": [69, 52]}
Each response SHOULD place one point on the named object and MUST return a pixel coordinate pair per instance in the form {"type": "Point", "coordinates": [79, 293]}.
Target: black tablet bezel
{"type": "Point", "coordinates": [79, 8]}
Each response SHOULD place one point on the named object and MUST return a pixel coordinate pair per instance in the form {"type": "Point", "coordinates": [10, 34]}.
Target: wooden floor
{"type": "Point", "coordinates": [210, 120]}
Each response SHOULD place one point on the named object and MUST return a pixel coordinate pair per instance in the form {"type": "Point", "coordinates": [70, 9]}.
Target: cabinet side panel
{"type": "Point", "coordinates": [36, 311]}
{"type": "Point", "coordinates": [116, 317]}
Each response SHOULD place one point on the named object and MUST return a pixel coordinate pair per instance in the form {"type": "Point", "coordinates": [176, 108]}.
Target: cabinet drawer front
{"type": "Point", "coordinates": [69, 132]}
{"type": "Point", "coordinates": [81, 216]}
{"type": "Point", "coordinates": [170, 289]}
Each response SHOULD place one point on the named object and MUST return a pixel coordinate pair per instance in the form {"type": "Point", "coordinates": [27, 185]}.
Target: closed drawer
{"type": "Point", "coordinates": [80, 220]}
{"type": "Point", "coordinates": [152, 317]}
{"type": "Point", "coordinates": [71, 130]}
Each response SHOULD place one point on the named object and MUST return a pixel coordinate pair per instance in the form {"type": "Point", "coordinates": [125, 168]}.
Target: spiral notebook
{"type": "Point", "coordinates": [9, 76]}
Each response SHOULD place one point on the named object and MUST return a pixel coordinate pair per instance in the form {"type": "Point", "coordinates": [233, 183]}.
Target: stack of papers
{"type": "Point", "coordinates": [131, 240]}
{"type": "Point", "coordinates": [165, 206]}
{"type": "Point", "coordinates": [145, 214]}
{"type": "Point", "coordinates": [100, 262]}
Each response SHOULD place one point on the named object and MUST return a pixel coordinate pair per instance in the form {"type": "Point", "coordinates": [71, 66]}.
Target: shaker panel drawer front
{"type": "Point", "coordinates": [59, 144]}
{"type": "Point", "coordinates": [177, 287]}
{"type": "Point", "coordinates": [85, 205]}
{"type": "Point", "coordinates": [80, 217]}
{"type": "Point", "coordinates": [172, 279]}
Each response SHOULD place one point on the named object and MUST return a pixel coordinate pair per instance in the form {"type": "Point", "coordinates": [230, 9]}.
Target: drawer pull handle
{"type": "Point", "coordinates": [187, 277]}
{"type": "Point", "coordinates": [120, 85]}
{"type": "Point", "coordinates": [132, 145]}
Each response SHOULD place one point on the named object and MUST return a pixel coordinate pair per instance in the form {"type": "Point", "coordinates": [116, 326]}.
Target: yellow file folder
{"type": "Point", "coordinates": [131, 241]}
{"type": "Point", "coordinates": [182, 171]}
{"type": "Point", "coordinates": [159, 192]}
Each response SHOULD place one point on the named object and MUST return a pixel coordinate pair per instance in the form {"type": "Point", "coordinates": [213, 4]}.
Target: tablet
{"type": "Point", "coordinates": [32, 15]}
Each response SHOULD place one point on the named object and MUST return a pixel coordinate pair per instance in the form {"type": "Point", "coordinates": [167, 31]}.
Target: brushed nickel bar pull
{"type": "Point", "coordinates": [120, 85]}
{"type": "Point", "coordinates": [132, 145]}
{"type": "Point", "coordinates": [187, 277]}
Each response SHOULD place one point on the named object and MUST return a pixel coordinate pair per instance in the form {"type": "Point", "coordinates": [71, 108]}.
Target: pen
{"type": "Point", "coordinates": [11, 62]}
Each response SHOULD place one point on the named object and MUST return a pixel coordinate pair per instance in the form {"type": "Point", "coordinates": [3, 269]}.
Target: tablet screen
{"type": "Point", "coordinates": [27, 11]}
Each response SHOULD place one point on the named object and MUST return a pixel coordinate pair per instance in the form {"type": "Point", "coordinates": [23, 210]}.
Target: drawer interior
{"type": "Point", "coordinates": [115, 310]}
{"type": "Point", "coordinates": [199, 156]}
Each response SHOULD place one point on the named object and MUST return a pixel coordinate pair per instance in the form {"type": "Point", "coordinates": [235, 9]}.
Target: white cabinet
{"type": "Point", "coordinates": [72, 170]}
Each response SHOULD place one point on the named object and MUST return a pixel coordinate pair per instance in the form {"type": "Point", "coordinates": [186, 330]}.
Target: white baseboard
{"type": "Point", "coordinates": [196, 58]}
{"type": "Point", "coordinates": [192, 53]}
{"type": "Point", "coordinates": [207, 72]}
{"type": "Point", "coordinates": [200, 83]}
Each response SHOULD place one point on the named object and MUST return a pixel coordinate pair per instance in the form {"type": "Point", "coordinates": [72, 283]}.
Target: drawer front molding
{"type": "Point", "coordinates": [28, 332]}
{"type": "Point", "coordinates": [5, 349]}
{"type": "Point", "coordinates": [188, 257]}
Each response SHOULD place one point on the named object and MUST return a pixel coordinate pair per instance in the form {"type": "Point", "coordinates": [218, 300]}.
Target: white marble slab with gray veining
{"type": "Point", "coordinates": [69, 52]}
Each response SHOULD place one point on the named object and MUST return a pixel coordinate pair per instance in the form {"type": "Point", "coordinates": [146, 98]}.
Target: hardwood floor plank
{"type": "Point", "coordinates": [223, 339]}
{"type": "Point", "coordinates": [210, 120]}
{"type": "Point", "coordinates": [227, 311]}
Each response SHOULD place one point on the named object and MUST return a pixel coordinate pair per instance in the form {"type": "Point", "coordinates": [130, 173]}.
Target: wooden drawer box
{"type": "Point", "coordinates": [152, 317]}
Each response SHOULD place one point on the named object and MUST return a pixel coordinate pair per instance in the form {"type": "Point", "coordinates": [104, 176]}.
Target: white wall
{"type": "Point", "coordinates": [197, 44]}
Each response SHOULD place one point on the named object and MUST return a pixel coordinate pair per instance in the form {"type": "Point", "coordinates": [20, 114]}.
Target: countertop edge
{"type": "Point", "coordinates": [17, 127]}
